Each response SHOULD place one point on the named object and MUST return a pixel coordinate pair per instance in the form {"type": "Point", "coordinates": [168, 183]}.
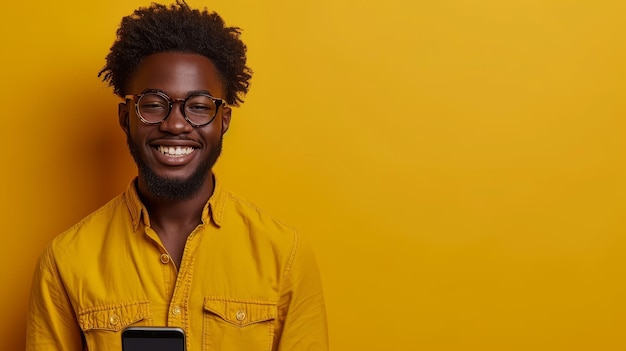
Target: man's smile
{"type": "Point", "coordinates": [175, 151]}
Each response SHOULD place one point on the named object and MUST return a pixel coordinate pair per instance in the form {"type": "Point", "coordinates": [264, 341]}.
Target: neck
{"type": "Point", "coordinates": [168, 213]}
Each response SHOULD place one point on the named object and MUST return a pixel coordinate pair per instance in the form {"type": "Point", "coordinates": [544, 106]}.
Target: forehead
{"type": "Point", "coordinates": [176, 74]}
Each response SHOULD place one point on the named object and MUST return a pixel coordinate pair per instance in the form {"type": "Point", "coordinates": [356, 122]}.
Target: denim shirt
{"type": "Point", "coordinates": [246, 282]}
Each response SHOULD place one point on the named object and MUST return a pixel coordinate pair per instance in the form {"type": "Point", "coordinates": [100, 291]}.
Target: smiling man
{"type": "Point", "coordinates": [176, 248]}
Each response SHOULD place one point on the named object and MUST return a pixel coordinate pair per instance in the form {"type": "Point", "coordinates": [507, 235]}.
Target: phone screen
{"type": "Point", "coordinates": [153, 339]}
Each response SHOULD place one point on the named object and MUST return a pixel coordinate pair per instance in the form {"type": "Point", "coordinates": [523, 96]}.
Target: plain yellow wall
{"type": "Point", "coordinates": [458, 165]}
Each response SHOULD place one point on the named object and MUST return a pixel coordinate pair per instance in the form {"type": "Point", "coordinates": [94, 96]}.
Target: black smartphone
{"type": "Point", "coordinates": [153, 339]}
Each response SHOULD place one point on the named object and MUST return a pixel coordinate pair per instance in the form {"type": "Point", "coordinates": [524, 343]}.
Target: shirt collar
{"type": "Point", "coordinates": [213, 209]}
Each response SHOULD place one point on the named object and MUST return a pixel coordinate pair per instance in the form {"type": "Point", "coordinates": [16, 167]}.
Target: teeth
{"type": "Point", "coordinates": [175, 150]}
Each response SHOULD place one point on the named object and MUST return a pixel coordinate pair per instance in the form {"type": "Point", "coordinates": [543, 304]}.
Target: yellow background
{"type": "Point", "coordinates": [459, 165]}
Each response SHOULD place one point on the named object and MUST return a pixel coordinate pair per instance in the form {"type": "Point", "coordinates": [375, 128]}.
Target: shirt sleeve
{"type": "Point", "coordinates": [301, 324]}
{"type": "Point", "coordinates": [51, 321]}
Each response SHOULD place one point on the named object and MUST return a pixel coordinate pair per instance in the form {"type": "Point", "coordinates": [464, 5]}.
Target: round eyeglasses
{"type": "Point", "coordinates": [199, 109]}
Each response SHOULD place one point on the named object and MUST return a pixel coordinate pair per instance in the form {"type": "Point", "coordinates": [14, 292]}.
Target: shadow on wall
{"type": "Point", "coordinates": [81, 163]}
{"type": "Point", "coordinates": [94, 165]}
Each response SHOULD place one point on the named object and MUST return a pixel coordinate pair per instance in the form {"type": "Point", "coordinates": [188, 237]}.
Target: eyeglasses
{"type": "Point", "coordinates": [199, 109]}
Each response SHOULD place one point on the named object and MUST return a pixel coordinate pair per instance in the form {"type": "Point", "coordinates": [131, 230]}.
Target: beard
{"type": "Point", "coordinates": [173, 188]}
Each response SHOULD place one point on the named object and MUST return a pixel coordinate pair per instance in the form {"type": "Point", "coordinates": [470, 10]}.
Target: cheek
{"type": "Point", "coordinates": [212, 134]}
{"type": "Point", "coordinates": [138, 131]}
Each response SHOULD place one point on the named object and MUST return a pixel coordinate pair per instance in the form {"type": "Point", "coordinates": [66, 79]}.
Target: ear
{"type": "Point", "coordinates": [226, 113]}
{"type": "Point", "coordinates": [122, 115]}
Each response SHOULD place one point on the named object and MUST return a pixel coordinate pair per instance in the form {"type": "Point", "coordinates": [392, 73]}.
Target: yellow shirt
{"type": "Point", "coordinates": [246, 282]}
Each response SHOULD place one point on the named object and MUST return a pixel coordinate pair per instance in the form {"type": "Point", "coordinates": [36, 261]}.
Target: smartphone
{"type": "Point", "coordinates": [153, 339]}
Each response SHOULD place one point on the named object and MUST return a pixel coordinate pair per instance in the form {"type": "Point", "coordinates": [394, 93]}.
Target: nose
{"type": "Point", "coordinates": [175, 123]}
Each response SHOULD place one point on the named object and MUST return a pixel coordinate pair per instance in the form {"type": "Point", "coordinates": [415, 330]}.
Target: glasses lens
{"type": "Point", "coordinates": [200, 109]}
{"type": "Point", "coordinates": [153, 107]}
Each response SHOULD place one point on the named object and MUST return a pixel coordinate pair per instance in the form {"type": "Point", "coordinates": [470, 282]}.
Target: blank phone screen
{"type": "Point", "coordinates": [153, 342]}
{"type": "Point", "coordinates": [156, 344]}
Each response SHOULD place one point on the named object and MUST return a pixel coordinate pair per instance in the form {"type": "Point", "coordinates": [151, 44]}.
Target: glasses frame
{"type": "Point", "coordinates": [171, 101]}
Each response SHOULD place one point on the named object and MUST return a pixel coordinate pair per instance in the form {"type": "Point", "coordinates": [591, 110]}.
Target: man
{"type": "Point", "coordinates": [176, 248]}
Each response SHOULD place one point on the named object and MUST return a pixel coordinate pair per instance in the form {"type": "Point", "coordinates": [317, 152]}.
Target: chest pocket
{"type": "Point", "coordinates": [101, 325]}
{"type": "Point", "coordinates": [238, 325]}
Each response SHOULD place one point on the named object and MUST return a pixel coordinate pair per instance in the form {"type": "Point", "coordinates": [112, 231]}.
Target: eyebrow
{"type": "Point", "coordinates": [193, 92]}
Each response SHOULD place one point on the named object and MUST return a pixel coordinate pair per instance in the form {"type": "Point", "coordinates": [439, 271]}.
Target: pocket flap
{"type": "Point", "coordinates": [113, 317]}
{"type": "Point", "coordinates": [241, 312]}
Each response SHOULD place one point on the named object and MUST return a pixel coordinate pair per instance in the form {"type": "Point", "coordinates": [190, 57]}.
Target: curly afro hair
{"type": "Point", "coordinates": [178, 28]}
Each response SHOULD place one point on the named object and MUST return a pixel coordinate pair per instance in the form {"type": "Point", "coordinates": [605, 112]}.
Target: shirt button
{"type": "Point", "coordinates": [241, 315]}
{"type": "Point", "coordinates": [165, 258]}
{"type": "Point", "coordinates": [176, 310]}
{"type": "Point", "coordinates": [114, 319]}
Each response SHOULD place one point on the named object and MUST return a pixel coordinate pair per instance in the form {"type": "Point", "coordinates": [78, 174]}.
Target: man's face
{"type": "Point", "coordinates": [174, 158]}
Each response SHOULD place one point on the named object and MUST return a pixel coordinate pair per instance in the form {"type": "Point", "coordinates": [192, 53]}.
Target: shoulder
{"type": "Point", "coordinates": [251, 210]}
{"type": "Point", "coordinates": [92, 230]}
{"type": "Point", "coordinates": [239, 212]}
